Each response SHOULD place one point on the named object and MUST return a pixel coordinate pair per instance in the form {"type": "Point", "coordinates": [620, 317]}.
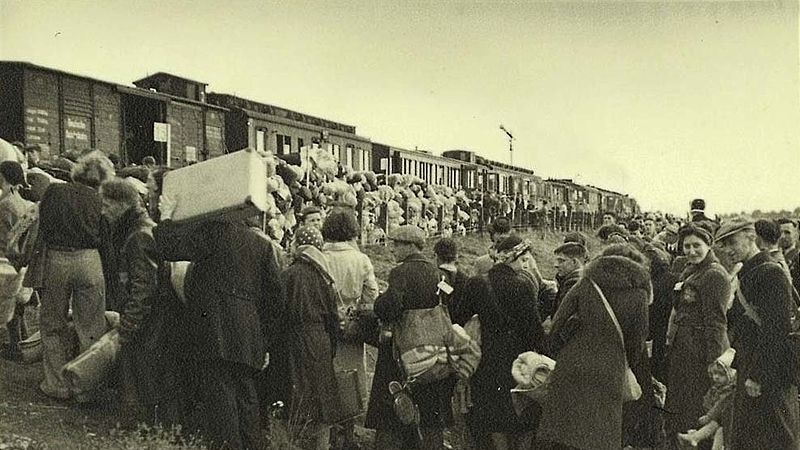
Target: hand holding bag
{"type": "Point", "coordinates": [631, 390]}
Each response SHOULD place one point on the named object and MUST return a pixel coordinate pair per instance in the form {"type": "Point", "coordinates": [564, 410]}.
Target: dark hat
{"type": "Point", "coordinates": [571, 249]}
{"type": "Point", "coordinates": [698, 204]}
{"type": "Point", "coordinates": [733, 226]}
{"type": "Point", "coordinates": [500, 225]}
{"type": "Point", "coordinates": [310, 210]}
{"type": "Point", "coordinates": [696, 229]}
{"type": "Point", "coordinates": [409, 234]}
{"type": "Point", "coordinates": [575, 236]}
{"type": "Point", "coordinates": [13, 173]}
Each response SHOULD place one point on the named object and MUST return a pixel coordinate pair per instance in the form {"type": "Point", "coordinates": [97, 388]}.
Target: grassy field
{"type": "Point", "coordinates": [29, 420]}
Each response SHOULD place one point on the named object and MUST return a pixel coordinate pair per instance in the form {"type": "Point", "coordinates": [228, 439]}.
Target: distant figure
{"type": "Point", "coordinates": [149, 162]}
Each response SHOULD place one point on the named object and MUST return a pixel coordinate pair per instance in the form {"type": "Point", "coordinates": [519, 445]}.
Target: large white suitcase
{"type": "Point", "coordinates": [232, 185]}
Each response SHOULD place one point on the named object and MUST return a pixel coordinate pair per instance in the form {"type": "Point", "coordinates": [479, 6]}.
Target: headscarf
{"type": "Point", "coordinates": [307, 235]}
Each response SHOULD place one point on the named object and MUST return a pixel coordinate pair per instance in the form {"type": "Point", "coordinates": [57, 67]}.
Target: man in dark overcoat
{"type": "Point", "coordinates": [412, 285]}
{"type": "Point", "coordinates": [765, 412]}
{"type": "Point", "coordinates": [234, 308]}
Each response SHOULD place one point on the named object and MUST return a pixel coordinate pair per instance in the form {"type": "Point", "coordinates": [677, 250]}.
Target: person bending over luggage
{"type": "Point", "coordinates": [233, 314]}
{"type": "Point", "coordinates": [148, 317]}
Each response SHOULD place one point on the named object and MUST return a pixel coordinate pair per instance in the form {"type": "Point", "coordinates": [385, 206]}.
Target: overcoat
{"type": "Point", "coordinates": [149, 313]}
{"type": "Point", "coordinates": [769, 421]}
{"type": "Point", "coordinates": [506, 304]}
{"type": "Point", "coordinates": [237, 298]}
{"type": "Point", "coordinates": [700, 338]}
{"type": "Point", "coordinates": [584, 408]}
{"type": "Point", "coordinates": [412, 285]}
{"type": "Point", "coordinates": [312, 324]}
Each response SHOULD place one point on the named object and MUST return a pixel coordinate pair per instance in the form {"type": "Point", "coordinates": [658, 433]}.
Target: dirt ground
{"type": "Point", "coordinates": [30, 420]}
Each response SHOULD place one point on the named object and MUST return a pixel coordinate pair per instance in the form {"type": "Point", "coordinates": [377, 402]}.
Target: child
{"type": "Point", "coordinates": [717, 403]}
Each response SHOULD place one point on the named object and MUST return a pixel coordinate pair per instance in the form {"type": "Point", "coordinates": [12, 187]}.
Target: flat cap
{"type": "Point", "coordinates": [733, 226]}
{"type": "Point", "coordinates": [408, 233]}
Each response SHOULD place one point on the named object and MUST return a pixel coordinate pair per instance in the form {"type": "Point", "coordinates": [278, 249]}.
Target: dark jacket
{"type": "Point", "coordinates": [235, 298]}
{"type": "Point", "coordinates": [149, 313]}
{"type": "Point", "coordinates": [700, 338]}
{"type": "Point", "coordinates": [312, 324]}
{"type": "Point", "coordinates": [565, 283]}
{"type": "Point", "coordinates": [412, 285]}
{"type": "Point", "coordinates": [771, 420]}
{"type": "Point", "coordinates": [70, 216]}
{"type": "Point", "coordinates": [506, 304]}
{"type": "Point", "coordinates": [591, 366]}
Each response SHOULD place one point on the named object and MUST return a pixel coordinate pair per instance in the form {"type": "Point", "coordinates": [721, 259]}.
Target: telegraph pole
{"type": "Point", "coordinates": [510, 144]}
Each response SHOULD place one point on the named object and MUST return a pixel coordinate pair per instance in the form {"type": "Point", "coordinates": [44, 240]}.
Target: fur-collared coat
{"type": "Point", "coordinates": [584, 408]}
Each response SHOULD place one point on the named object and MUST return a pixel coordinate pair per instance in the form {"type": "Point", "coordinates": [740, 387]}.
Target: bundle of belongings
{"type": "Point", "coordinates": [531, 372]}
{"type": "Point", "coordinates": [426, 361]}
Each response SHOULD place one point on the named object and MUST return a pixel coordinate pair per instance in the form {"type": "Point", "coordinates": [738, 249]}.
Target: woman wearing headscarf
{"type": "Point", "coordinates": [584, 409]}
{"type": "Point", "coordinates": [505, 301]}
{"type": "Point", "coordinates": [699, 328]}
{"type": "Point", "coordinates": [311, 327]}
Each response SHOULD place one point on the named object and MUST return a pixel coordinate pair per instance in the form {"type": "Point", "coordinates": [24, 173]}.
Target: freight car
{"type": "Point", "coordinates": [62, 112]}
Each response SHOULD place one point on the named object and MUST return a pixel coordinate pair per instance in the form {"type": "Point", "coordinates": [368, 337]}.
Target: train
{"type": "Point", "coordinates": [178, 122]}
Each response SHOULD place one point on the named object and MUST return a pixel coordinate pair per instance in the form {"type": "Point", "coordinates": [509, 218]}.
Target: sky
{"type": "Point", "coordinates": [666, 101]}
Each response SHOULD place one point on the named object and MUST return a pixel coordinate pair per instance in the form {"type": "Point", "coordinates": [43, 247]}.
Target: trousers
{"type": "Point", "coordinates": [74, 279]}
{"type": "Point", "coordinates": [231, 418]}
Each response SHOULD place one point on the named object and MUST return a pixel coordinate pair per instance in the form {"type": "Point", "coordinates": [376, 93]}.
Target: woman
{"type": "Point", "coordinates": [312, 326]}
{"type": "Point", "coordinates": [149, 310]}
{"type": "Point", "coordinates": [357, 288]}
{"type": "Point", "coordinates": [584, 409]}
{"type": "Point", "coordinates": [699, 329]}
{"type": "Point", "coordinates": [72, 232]}
{"type": "Point", "coordinates": [12, 207]}
{"type": "Point", "coordinates": [506, 304]}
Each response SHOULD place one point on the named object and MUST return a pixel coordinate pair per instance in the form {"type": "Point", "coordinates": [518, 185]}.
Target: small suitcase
{"type": "Point", "coordinates": [90, 368]}
{"type": "Point", "coordinates": [233, 185]}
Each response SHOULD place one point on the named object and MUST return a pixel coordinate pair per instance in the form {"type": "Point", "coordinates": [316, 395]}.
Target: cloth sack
{"type": "Point", "coordinates": [85, 373]}
{"type": "Point", "coordinates": [463, 351]}
{"type": "Point", "coordinates": [11, 290]}
{"type": "Point", "coordinates": [420, 340]}
{"type": "Point", "coordinates": [531, 371]}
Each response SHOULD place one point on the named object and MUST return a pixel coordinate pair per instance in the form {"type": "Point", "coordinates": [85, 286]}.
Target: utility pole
{"type": "Point", "coordinates": [510, 144]}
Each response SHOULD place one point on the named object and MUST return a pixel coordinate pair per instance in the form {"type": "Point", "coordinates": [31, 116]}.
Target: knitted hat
{"type": "Point", "coordinates": [306, 235]}
{"type": "Point", "coordinates": [695, 229]}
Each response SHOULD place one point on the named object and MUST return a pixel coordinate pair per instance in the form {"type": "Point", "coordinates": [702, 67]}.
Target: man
{"type": "Point", "coordinates": [649, 229]}
{"type": "Point", "coordinates": [698, 210]}
{"type": "Point", "coordinates": [413, 284]}
{"type": "Point", "coordinates": [33, 154]}
{"type": "Point", "coordinates": [609, 218]}
{"type": "Point", "coordinates": [234, 312]}
{"type": "Point", "coordinates": [765, 409]}
{"type": "Point", "coordinates": [312, 217]}
{"type": "Point", "coordinates": [768, 233]}
{"type": "Point", "coordinates": [570, 258]}
{"type": "Point", "coordinates": [788, 242]}
{"type": "Point", "coordinates": [499, 229]}
{"type": "Point", "coordinates": [148, 320]}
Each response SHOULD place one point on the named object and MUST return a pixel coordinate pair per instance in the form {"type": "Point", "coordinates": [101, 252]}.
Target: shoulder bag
{"type": "Point", "coordinates": [631, 390]}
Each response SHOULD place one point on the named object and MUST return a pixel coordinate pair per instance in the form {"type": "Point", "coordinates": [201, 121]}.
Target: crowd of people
{"type": "Point", "coordinates": [221, 321]}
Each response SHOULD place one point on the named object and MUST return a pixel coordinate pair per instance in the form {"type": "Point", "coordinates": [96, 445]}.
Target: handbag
{"type": "Point", "coordinates": [631, 390]}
